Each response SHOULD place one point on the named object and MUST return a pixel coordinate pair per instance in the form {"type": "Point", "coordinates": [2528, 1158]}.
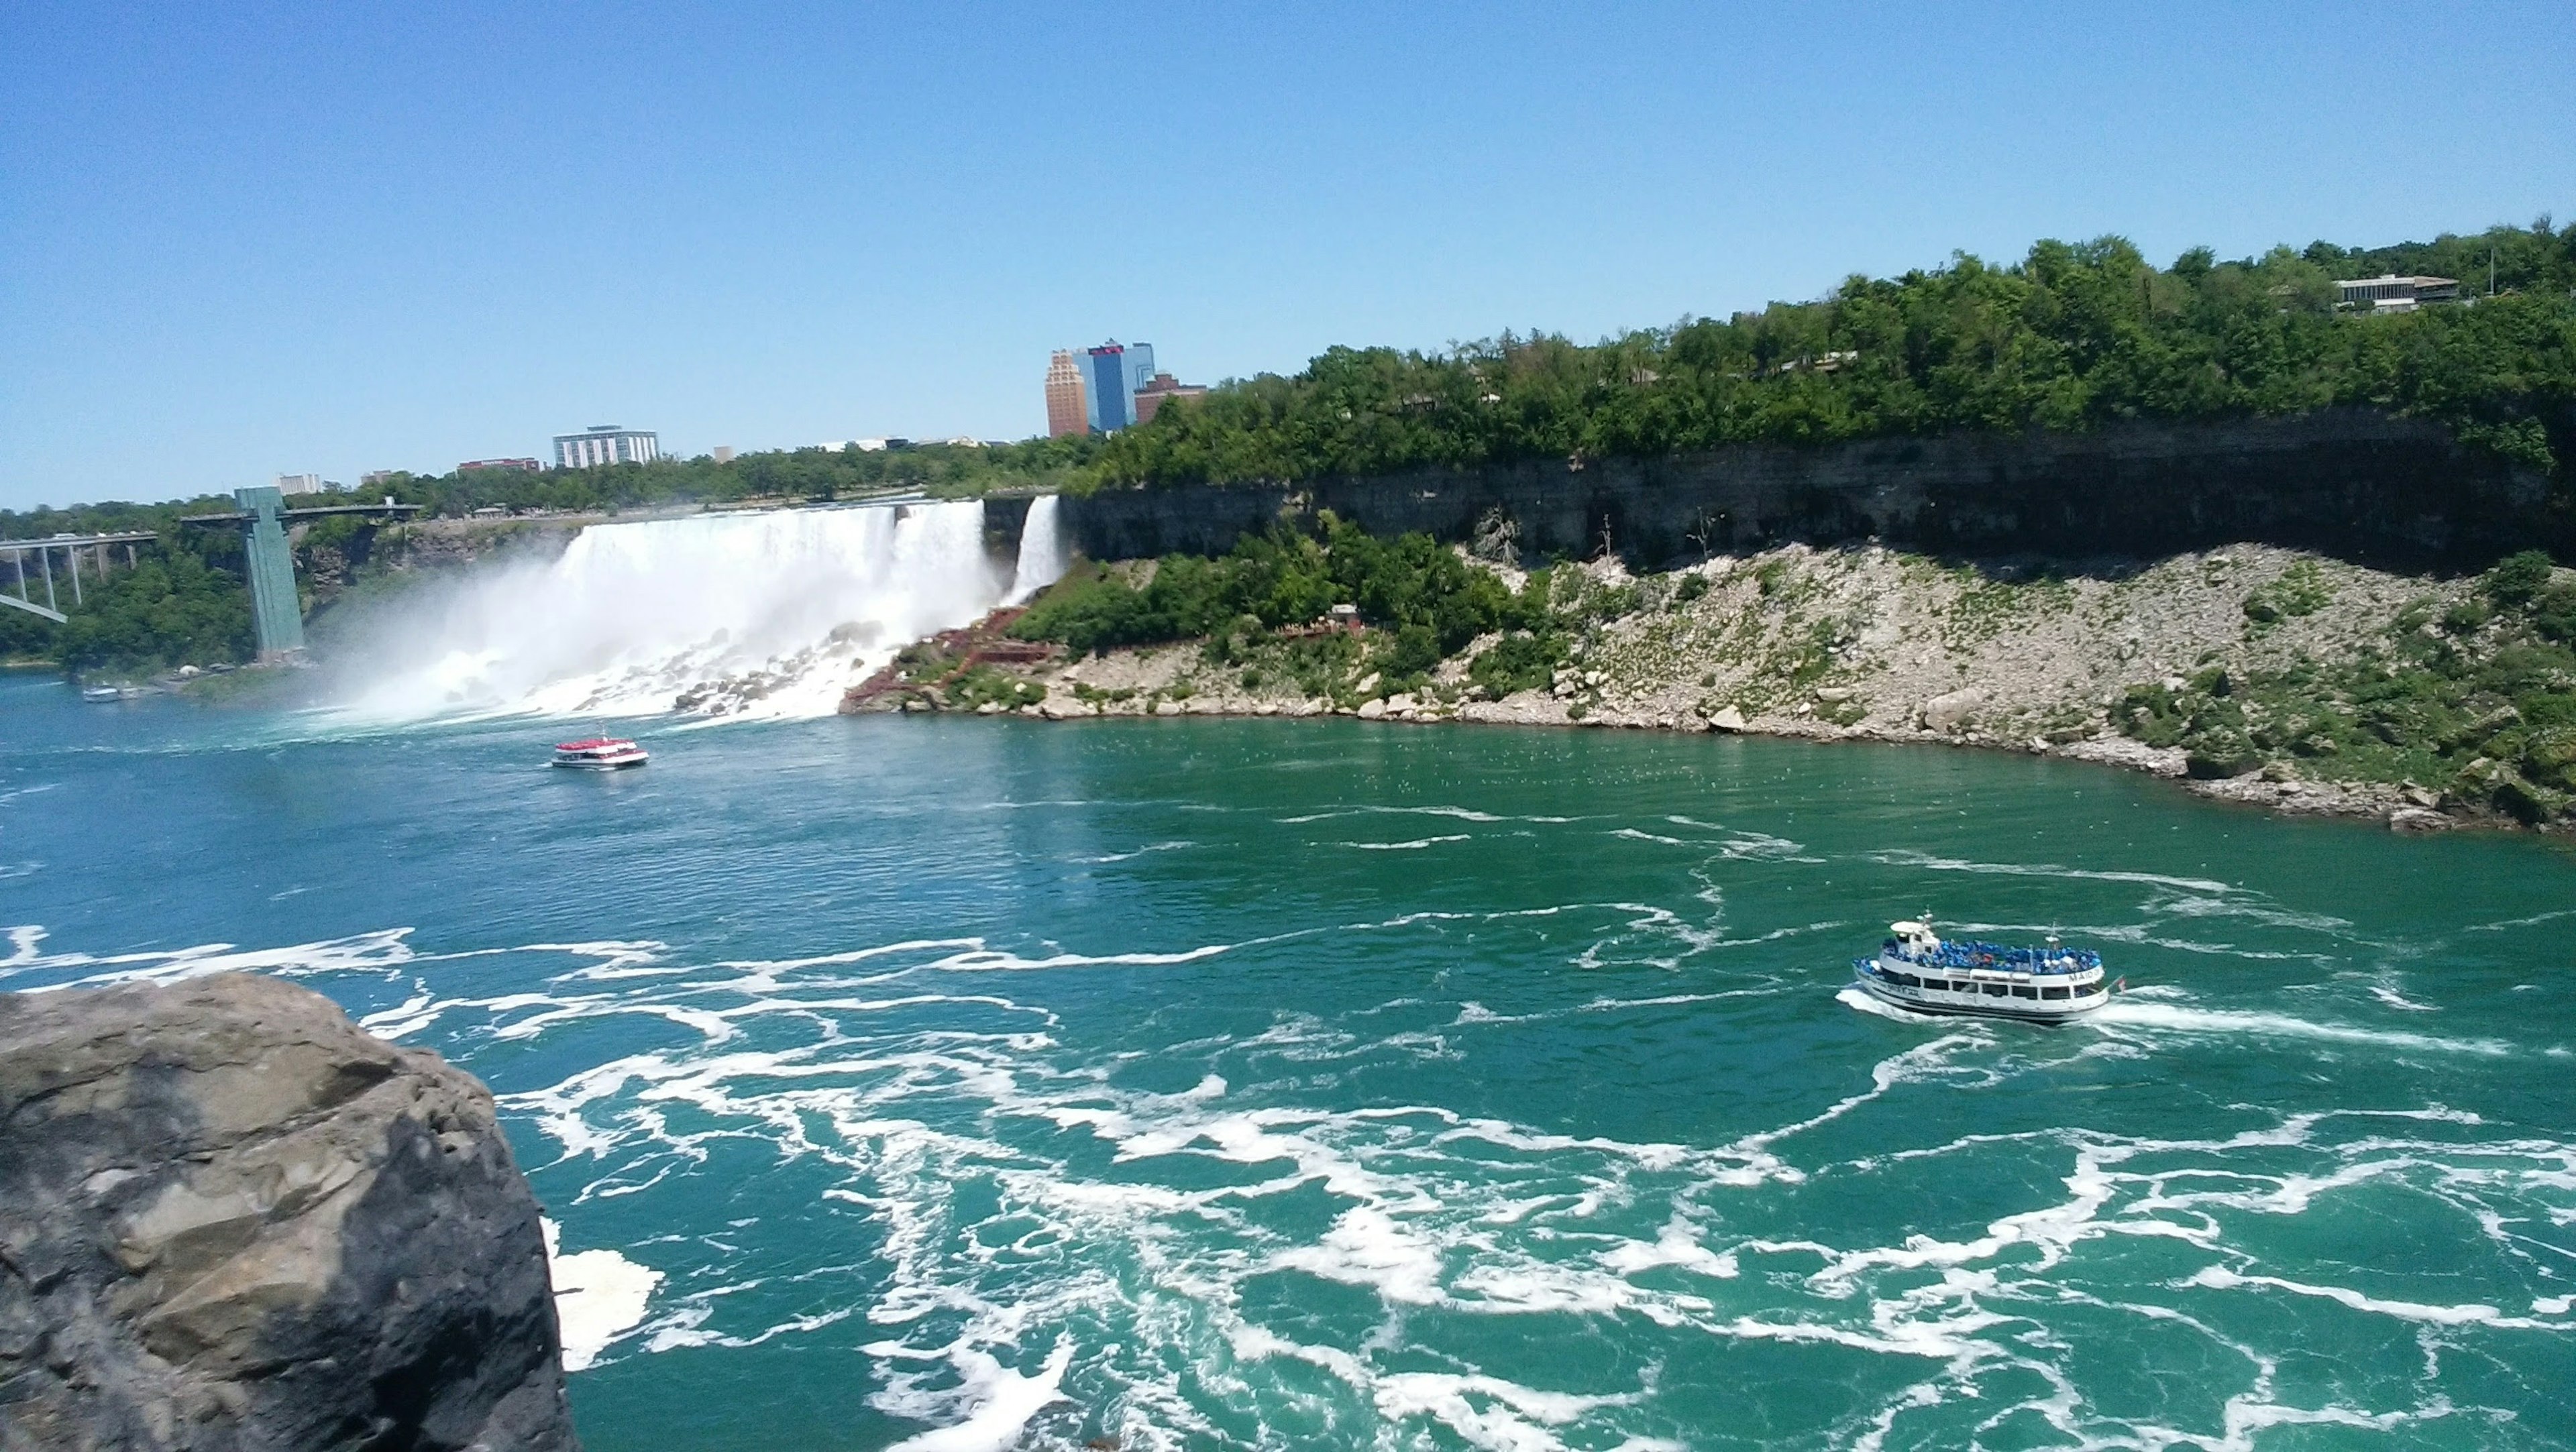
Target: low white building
{"type": "Point", "coordinates": [2389, 293]}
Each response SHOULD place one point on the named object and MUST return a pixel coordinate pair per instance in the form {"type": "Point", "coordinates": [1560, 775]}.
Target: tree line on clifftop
{"type": "Point", "coordinates": [2072, 336]}
{"type": "Point", "coordinates": [2076, 335]}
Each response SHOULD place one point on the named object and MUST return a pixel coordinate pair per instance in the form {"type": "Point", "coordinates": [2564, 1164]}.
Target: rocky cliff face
{"type": "Point", "coordinates": [229, 1219]}
{"type": "Point", "coordinates": [2357, 485]}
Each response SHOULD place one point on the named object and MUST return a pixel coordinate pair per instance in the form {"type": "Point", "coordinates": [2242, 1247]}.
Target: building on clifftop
{"type": "Point", "coordinates": [2390, 293]}
{"type": "Point", "coordinates": [1067, 410]}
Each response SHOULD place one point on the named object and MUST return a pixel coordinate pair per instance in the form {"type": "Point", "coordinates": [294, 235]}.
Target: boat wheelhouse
{"type": "Point", "coordinates": [600, 753]}
{"type": "Point", "coordinates": [1916, 970]}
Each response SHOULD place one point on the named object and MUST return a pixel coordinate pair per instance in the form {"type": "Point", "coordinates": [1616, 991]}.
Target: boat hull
{"type": "Point", "coordinates": [601, 765]}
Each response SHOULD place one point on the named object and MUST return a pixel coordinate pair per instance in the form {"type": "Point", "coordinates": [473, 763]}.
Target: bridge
{"type": "Point", "coordinates": [74, 547]}
{"type": "Point", "coordinates": [275, 614]}
{"type": "Point", "coordinates": [262, 519]}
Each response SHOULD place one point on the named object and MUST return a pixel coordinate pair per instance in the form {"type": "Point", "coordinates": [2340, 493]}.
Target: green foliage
{"type": "Point", "coordinates": [2519, 579]}
{"type": "Point", "coordinates": [1433, 602]}
{"type": "Point", "coordinates": [984, 685]}
{"type": "Point", "coordinates": [946, 470]}
{"type": "Point", "coordinates": [2486, 714]}
{"type": "Point", "coordinates": [2074, 335]}
{"type": "Point", "coordinates": [2300, 590]}
{"type": "Point", "coordinates": [172, 609]}
{"type": "Point", "coordinates": [1518, 662]}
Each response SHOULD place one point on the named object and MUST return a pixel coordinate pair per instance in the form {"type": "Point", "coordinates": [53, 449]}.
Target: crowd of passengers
{"type": "Point", "coordinates": [1960, 957]}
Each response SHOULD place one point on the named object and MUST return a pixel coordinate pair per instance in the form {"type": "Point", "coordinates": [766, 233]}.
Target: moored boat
{"type": "Point", "coordinates": [600, 753]}
{"type": "Point", "coordinates": [1916, 970]}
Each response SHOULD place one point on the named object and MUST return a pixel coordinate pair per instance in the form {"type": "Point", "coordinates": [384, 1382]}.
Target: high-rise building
{"type": "Point", "coordinates": [605, 444]}
{"type": "Point", "coordinates": [299, 483]}
{"type": "Point", "coordinates": [1116, 371]}
{"type": "Point", "coordinates": [1067, 413]}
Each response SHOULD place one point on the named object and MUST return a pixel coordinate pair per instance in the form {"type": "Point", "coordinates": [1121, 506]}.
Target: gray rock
{"type": "Point", "coordinates": [1949, 711]}
{"type": "Point", "coordinates": [232, 1221]}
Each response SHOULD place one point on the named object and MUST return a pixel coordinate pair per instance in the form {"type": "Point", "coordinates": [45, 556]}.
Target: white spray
{"type": "Point", "coordinates": [770, 614]}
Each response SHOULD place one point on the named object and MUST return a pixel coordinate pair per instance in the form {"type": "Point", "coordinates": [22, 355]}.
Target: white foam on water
{"type": "Point", "coordinates": [599, 1294]}
{"type": "Point", "coordinates": [1853, 996]}
{"type": "Point", "coordinates": [2221, 1278]}
{"type": "Point", "coordinates": [1463, 814]}
{"type": "Point", "coordinates": [1156, 1226]}
{"type": "Point", "coordinates": [996, 1402]}
{"type": "Point", "coordinates": [382, 952]}
{"type": "Point", "coordinates": [2174, 1018]}
{"type": "Point", "coordinates": [1486, 1411]}
{"type": "Point", "coordinates": [2394, 999]}
{"type": "Point", "coordinates": [1414, 845]}
{"type": "Point", "coordinates": [1901, 857]}
{"type": "Point", "coordinates": [751, 615]}
{"type": "Point", "coordinates": [1366, 1247]}
{"type": "Point", "coordinates": [1103, 860]}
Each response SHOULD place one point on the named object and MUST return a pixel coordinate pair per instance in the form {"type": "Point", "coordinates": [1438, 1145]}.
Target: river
{"type": "Point", "coordinates": [1227, 1083]}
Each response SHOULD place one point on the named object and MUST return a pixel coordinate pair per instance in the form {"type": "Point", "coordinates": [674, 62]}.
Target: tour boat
{"type": "Point", "coordinates": [600, 753]}
{"type": "Point", "coordinates": [1915, 970]}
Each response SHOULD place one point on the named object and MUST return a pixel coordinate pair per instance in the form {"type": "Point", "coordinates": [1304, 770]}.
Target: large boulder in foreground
{"type": "Point", "coordinates": [229, 1219]}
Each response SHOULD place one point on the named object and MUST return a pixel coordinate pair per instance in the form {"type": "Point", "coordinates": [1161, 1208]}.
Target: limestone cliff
{"type": "Point", "coordinates": [229, 1219]}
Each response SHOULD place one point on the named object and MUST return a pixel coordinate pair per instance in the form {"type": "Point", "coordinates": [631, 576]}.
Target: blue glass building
{"type": "Point", "coordinates": [1111, 376]}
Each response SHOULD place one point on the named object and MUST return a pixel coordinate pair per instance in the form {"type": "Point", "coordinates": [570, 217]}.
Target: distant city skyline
{"type": "Point", "coordinates": [241, 243]}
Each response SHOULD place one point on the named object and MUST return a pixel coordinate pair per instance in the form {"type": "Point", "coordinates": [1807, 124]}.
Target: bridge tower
{"type": "Point", "coordinates": [277, 617]}
{"type": "Point", "coordinates": [275, 613]}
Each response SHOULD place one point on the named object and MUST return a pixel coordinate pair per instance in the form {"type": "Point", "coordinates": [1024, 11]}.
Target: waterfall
{"type": "Point", "coordinates": [1043, 556]}
{"type": "Point", "coordinates": [769, 614]}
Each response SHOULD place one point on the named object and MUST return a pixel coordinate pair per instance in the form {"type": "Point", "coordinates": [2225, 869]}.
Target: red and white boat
{"type": "Point", "coordinates": [600, 753]}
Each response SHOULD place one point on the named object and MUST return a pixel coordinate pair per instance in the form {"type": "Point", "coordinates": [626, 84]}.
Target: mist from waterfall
{"type": "Point", "coordinates": [754, 615]}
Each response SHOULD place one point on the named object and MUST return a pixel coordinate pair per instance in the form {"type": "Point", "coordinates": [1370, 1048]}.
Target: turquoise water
{"type": "Point", "coordinates": [1287, 1084]}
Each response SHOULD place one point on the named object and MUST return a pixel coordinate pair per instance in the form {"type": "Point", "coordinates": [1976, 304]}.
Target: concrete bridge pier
{"type": "Point", "coordinates": [276, 615]}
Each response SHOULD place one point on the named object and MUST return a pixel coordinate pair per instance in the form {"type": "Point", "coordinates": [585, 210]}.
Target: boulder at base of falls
{"type": "Point", "coordinates": [232, 1221]}
{"type": "Point", "coordinates": [1951, 711]}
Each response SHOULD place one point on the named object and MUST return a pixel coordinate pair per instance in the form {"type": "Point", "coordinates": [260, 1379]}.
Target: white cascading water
{"type": "Point", "coordinates": [743, 616]}
{"type": "Point", "coordinates": [1043, 555]}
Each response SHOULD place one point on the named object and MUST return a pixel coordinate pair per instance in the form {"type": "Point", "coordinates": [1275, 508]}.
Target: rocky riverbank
{"type": "Point", "coordinates": [2254, 674]}
{"type": "Point", "coordinates": [229, 1219]}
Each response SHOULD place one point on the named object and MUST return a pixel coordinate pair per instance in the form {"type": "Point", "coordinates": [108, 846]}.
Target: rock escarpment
{"type": "Point", "coordinates": [229, 1219]}
{"type": "Point", "coordinates": [2351, 483]}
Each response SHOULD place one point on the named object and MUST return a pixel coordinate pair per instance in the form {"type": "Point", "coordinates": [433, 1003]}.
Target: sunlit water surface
{"type": "Point", "coordinates": [1286, 1084]}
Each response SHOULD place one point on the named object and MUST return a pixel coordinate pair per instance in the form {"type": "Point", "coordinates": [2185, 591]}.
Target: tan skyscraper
{"type": "Point", "coordinates": [1067, 410]}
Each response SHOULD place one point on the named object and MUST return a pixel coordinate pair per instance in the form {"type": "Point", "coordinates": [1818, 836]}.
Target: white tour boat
{"type": "Point", "coordinates": [600, 753]}
{"type": "Point", "coordinates": [1915, 970]}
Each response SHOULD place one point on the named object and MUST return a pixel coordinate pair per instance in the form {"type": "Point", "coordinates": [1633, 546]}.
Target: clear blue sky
{"type": "Point", "coordinates": [242, 239]}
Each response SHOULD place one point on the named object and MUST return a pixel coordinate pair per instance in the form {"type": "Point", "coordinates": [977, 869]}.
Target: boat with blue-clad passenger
{"type": "Point", "coordinates": [1916, 970]}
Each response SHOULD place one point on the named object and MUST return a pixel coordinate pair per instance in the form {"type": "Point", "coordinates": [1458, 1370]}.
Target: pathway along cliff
{"type": "Point", "coordinates": [231, 1220]}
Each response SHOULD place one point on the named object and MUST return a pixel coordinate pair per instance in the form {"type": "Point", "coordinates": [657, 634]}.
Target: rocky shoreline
{"type": "Point", "coordinates": [1862, 644]}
